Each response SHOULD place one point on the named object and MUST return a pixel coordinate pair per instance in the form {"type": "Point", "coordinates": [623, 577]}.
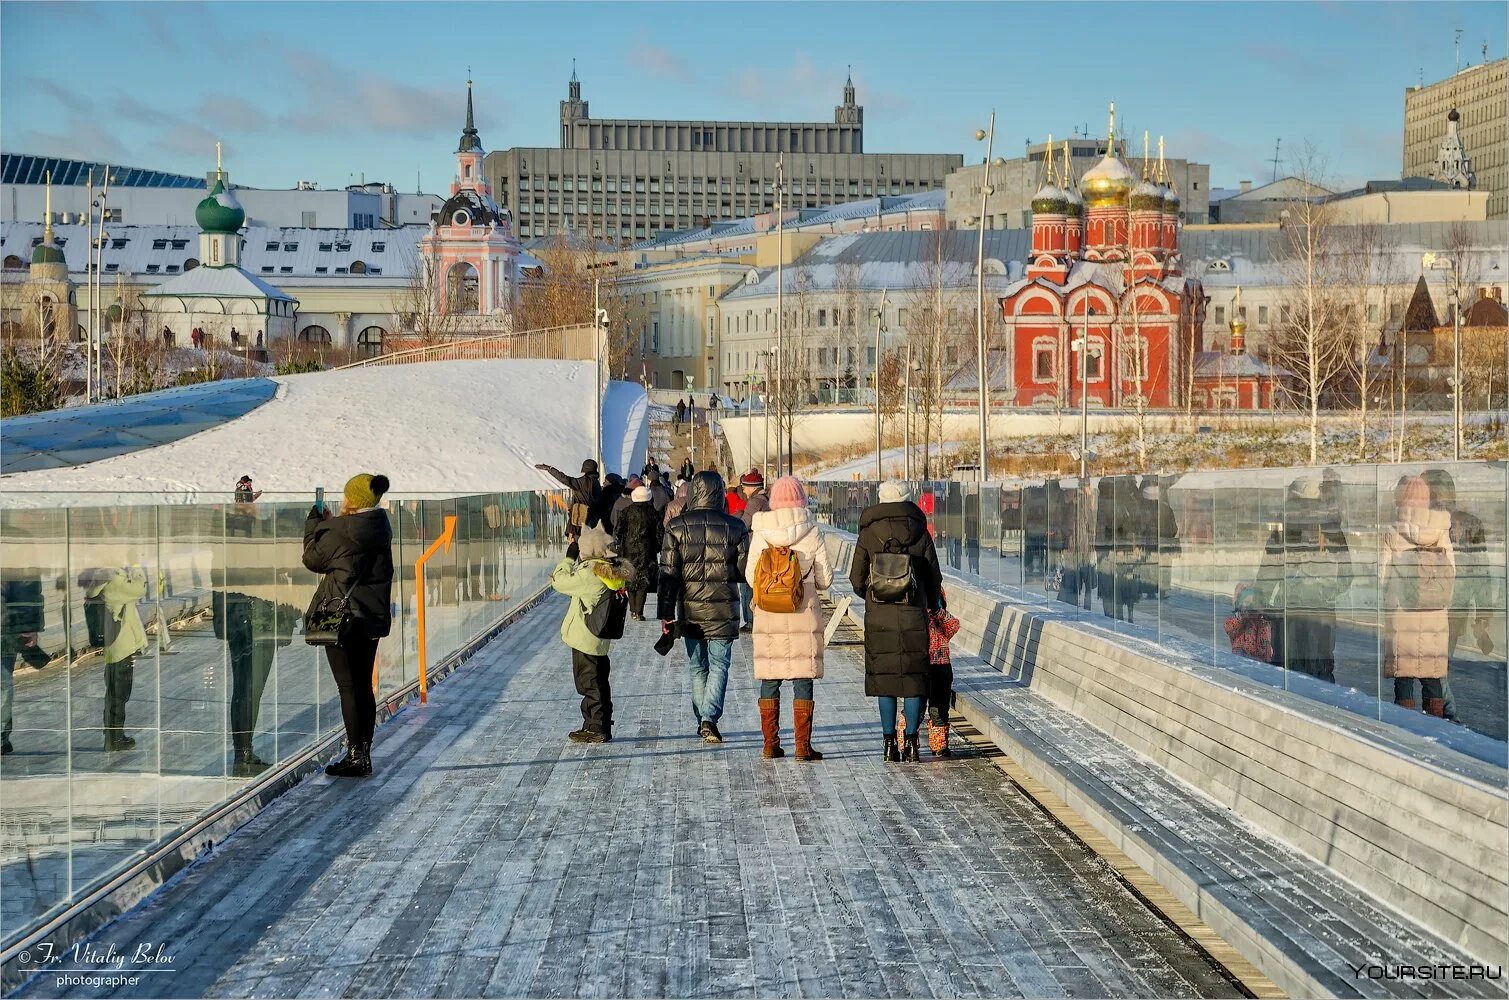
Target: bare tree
{"type": "Point", "coordinates": [1312, 341]}
{"type": "Point", "coordinates": [560, 295]}
{"type": "Point", "coordinates": [418, 310]}
{"type": "Point", "coordinates": [1366, 264]}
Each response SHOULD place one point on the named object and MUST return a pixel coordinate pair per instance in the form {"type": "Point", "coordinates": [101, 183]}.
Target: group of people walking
{"type": "Point", "coordinates": [725, 561]}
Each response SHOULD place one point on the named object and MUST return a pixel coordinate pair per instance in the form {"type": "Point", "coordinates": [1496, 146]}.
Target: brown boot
{"type": "Point", "coordinates": [1408, 703]}
{"type": "Point", "coordinates": [1436, 707]}
{"type": "Point", "coordinates": [802, 710]}
{"type": "Point", "coordinates": [770, 726]}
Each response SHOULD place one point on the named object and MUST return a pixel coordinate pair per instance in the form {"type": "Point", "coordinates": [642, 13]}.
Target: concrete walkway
{"type": "Point", "coordinates": [490, 857]}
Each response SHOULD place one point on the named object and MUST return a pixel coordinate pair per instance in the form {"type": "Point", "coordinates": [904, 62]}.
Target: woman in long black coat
{"type": "Point", "coordinates": [638, 531]}
{"type": "Point", "coordinates": [896, 640]}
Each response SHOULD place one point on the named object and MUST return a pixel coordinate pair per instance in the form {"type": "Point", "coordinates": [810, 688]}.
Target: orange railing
{"type": "Point", "coordinates": [561, 343]}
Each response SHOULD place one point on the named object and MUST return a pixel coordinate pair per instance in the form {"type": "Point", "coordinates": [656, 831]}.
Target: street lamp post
{"type": "Point", "coordinates": [1438, 262]}
{"type": "Point", "coordinates": [980, 379]}
{"type": "Point", "coordinates": [1082, 345]}
{"type": "Point", "coordinates": [906, 406]}
{"type": "Point", "coordinates": [780, 312]}
{"type": "Point", "coordinates": [875, 381]}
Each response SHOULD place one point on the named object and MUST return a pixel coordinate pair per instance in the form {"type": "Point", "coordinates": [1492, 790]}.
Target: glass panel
{"type": "Point", "coordinates": [1202, 566]}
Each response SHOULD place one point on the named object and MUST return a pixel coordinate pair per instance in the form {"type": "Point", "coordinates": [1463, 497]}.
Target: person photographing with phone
{"type": "Point", "coordinates": [352, 607]}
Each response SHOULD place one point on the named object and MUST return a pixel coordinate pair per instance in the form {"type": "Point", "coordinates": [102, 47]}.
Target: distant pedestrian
{"type": "Point", "coordinates": [752, 501]}
{"type": "Point", "coordinates": [586, 495]}
{"type": "Point", "coordinates": [712, 403]}
{"type": "Point", "coordinates": [702, 560]}
{"type": "Point", "coordinates": [235, 337]}
{"type": "Point", "coordinates": [1417, 572]}
{"type": "Point", "coordinates": [677, 502]}
{"type": "Point", "coordinates": [354, 553]}
{"type": "Point", "coordinates": [593, 576]}
{"type": "Point", "coordinates": [680, 411]}
{"type": "Point", "coordinates": [259, 338]}
{"type": "Point", "coordinates": [622, 503]}
{"type": "Point", "coordinates": [167, 336]}
{"type": "Point", "coordinates": [613, 490]}
{"type": "Point", "coordinates": [787, 556]}
{"type": "Point", "coordinates": [244, 491]}
{"type": "Point", "coordinates": [895, 572]}
{"type": "Point", "coordinates": [661, 493]}
{"type": "Point", "coordinates": [638, 530]}
{"type": "Point", "coordinates": [688, 468]}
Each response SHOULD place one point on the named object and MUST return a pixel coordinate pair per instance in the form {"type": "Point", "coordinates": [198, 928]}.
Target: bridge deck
{"type": "Point", "coordinates": [490, 857]}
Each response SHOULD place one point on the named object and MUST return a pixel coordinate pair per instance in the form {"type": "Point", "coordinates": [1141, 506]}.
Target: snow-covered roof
{"type": "Point", "coordinates": [218, 282]}
{"type": "Point", "coordinates": [807, 218]}
{"type": "Point", "coordinates": [271, 251]}
{"type": "Point", "coordinates": [1223, 364]}
{"type": "Point", "coordinates": [998, 363]}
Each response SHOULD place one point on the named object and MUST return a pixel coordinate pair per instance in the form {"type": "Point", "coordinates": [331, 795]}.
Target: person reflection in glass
{"type": "Point", "coordinates": [21, 620]}
{"type": "Point", "coordinates": [115, 626]}
{"type": "Point", "coordinates": [253, 628]}
{"type": "Point", "coordinates": [1306, 567]}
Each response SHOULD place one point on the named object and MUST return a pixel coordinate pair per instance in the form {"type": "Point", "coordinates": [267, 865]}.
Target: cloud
{"type": "Point", "coordinates": [232, 113]}
{"type": "Point", "coordinates": [659, 62]}
{"type": "Point", "coordinates": [1287, 59]}
{"type": "Point", "coordinates": [83, 139]}
{"type": "Point", "coordinates": [193, 140]}
{"type": "Point", "coordinates": [810, 90]}
{"type": "Point", "coordinates": [131, 109]}
{"type": "Point", "coordinates": [337, 100]}
{"type": "Point", "coordinates": [71, 101]}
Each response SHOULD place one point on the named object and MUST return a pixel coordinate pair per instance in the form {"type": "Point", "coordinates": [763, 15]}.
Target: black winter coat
{"type": "Point", "coordinates": [354, 549]}
{"type": "Point", "coordinates": [638, 534]}
{"type": "Point", "coordinates": [584, 489]}
{"type": "Point", "coordinates": [702, 564]}
{"type": "Point", "coordinates": [896, 646]}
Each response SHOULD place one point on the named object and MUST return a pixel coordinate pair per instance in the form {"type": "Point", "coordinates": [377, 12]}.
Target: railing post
{"type": "Point", "coordinates": [446, 535]}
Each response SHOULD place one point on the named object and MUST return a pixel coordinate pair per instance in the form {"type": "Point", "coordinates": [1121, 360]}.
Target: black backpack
{"type": "Point", "coordinates": [605, 619]}
{"type": "Point", "coordinates": [891, 580]}
{"type": "Point", "coordinates": [103, 627]}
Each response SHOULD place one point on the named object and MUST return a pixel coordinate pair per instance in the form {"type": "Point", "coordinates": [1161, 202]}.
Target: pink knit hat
{"type": "Point", "coordinates": [787, 492]}
{"type": "Point", "coordinates": [1412, 491]}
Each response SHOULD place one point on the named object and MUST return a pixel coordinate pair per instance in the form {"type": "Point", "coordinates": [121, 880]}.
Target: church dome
{"type": "Point", "coordinates": [1074, 205]}
{"type": "Point", "coordinates": [1145, 197]}
{"type": "Point", "coordinates": [1107, 183]}
{"type": "Point", "coordinates": [1453, 115]}
{"type": "Point", "coordinates": [47, 253]}
{"type": "Point", "coordinates": [1049, 200]}
{"type": "Point", "coordinates": [1170, 200]}
{"type": "Point", "coordinates": [220, 212]}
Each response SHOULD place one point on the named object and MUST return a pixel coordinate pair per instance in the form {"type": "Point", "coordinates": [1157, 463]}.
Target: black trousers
{"type": "Point", "coordinates": [251, 664]}
{"type": "Point", "coordinates": [636, 600]}
{"type": "Point", "coordinates": [118, 681]}
{"type": "Point", "coordinates": [591, 676]}
{"type": "Point", "coordinates": [351, 664]}
{"type": "Point", "coordinates": [940, 691]}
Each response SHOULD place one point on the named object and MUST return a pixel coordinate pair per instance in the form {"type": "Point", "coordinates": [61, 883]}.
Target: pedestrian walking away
{"type": "Point", "coordinates": [680, 411]}
{"type": "Point", "coordinates": [353, 552]}
{"type": "Point", "coordinates": [702, 560]}
{"type": "Point", "coordinates": [596, 575]}
{"type": "Point", "coordinates": [1417, 572]}
{"type": "Point", "coordinates": [787, 566]}
{"type": "Point", "coordinates": [752, 500]}
{"type": "Point", "coordinates": [638, 537]}
{"type": "Point", "coordinates": [895, 572]}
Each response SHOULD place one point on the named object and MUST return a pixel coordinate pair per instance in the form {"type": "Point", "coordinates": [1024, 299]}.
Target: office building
{"type": "Point", "coordinates": [627, 180]}
{"type": "Point", "coordinates": [1479, 98]}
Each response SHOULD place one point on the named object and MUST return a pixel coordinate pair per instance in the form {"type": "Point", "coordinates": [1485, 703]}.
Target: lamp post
{"type": "Point", "coordinates": [875, 381]}
{"type": "Point", "coordinates": [765, 455]}
{"type": "Point", "coordinates": [599, 332]}
{"type": "Point", "coordinates": [780, 312]}
{"type": "Point", "coordinates": [1082, 345]}
{"type": "Point", "coordinates": [906, 406]}
{"type": "Point", "coordinates": [984, 393]}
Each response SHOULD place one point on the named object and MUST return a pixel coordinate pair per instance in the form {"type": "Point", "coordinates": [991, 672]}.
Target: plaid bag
{"type": "Point", "coordinates": [941, 627]}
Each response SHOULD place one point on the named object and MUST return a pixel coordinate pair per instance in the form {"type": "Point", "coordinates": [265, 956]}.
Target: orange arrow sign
{"type": "Point", "coordinates": [447, 535]}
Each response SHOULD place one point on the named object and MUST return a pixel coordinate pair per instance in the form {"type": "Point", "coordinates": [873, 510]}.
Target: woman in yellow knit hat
{"type": "Point", "coordinates": [354, 552]}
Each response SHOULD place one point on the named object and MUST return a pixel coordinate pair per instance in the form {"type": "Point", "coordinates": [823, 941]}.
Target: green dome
{"type": "Point", "coordinates": [1049, 200]}
{"type": "Point", "coordinates": [1146, 197]}
{"type": "Point", "coordinates": [1170, 200]}
{"type": "Point", "coordinates": [47, 253]}
{"type": "Point", "coordinates": [1074, 205]}
{"type": "Point", "coordinates": [220, 212]}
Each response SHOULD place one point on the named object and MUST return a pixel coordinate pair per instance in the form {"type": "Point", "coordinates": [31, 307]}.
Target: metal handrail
{"type": "Point", "coordinates": [457, 345]}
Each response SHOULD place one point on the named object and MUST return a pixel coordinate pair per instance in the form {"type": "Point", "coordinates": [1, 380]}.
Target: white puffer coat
{"type": "Point", "coordinates": [788, 646]}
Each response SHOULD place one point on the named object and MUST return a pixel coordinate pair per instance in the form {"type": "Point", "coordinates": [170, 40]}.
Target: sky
{"type": "Point", "coordinates": [336, 93]}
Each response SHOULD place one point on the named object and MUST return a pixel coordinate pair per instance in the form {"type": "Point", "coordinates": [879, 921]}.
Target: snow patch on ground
{"type": "Point", "coordinates": [446, 427]}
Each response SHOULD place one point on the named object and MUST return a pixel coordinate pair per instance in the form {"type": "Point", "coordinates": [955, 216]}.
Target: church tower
{"type": "Point", "coordinates": [849, 112]}
{"type": "Point", "coordinates": [573, 109]}
{"type": "Point", "coordinates": [50, 300]}
{"type": "Point", "coordinates": [1453, 165]}
{"type": "Point", "coordinates": [220, 219]}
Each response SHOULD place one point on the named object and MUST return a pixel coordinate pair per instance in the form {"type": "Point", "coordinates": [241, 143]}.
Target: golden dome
{"type": "Point", "coordinates": [1107, 184]}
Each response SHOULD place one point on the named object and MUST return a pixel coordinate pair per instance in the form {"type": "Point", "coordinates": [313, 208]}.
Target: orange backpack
{"type": "Point", "coordinates": [778, 580]}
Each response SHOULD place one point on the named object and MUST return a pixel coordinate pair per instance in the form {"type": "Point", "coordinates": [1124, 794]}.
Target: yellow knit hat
{"type": "Point", "coordinates": [359, 492]}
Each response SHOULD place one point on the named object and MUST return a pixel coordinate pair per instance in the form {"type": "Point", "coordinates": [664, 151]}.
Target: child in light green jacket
{"type": "Point", "coordinates": [587, 579]}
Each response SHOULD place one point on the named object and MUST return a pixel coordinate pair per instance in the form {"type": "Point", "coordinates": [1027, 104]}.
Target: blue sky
{"type": "Point", "coordinates": [332, 91]}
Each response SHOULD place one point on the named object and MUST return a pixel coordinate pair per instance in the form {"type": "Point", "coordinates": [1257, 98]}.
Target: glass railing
{"type": "Point", "coordinates": [1315, 580]}
{"type": "Point", "coordinates": [168, 637]}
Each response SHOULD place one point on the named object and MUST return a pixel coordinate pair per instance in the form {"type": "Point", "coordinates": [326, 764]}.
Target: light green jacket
{"type": "Point", "coordinates": [120, 594]}
{"type": "Point", "coordinates": [585, 583]}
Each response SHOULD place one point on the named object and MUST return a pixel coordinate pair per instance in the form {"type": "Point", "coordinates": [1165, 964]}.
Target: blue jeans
{"type": "Point", "coordinates": [708, 661]}
{"type": "Point", "coordinates": [801, 689]}
{"type": "Point", "coordinates": [746, 604]}
{"type": "Point", "coordinates": [913, 712]}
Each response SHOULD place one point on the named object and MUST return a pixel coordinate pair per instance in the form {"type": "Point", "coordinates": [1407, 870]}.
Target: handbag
{"type": "Point", "coordinates": [941, 627]}
{"type": "Point", "coordinates": [605, 619]}
{"type": "Point", "coordinates": [329, 623]}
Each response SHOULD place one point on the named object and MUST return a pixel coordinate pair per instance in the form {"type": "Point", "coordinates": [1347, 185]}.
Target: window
{"type": "Point", "coordinates": [118, 244]}
{"type": "Point", "coordinates": [901, 315]}
{"type": "Point", "coordinates": [172, 268]}
{"type": "Point", "coordinates": [319, 269]}
{"type": "Point", "coordinates": [1220, 314]}
{"type": "Point", "coordinates": [269, 248]}
{"type": "Point", "coordinates": [153, 268]}
{"type": "Point", "coordinates": [822, 317]}
{"type": "Point", "coordinates": [267, 269]}
{"type": "Point", "coordinates": [290, 247]}
{"type": "Point", "coordinates": [379, 247]}
{"type": "Point", "coordinates": [117, 267]}
{"type": "Point", "coordinates": [1042, 363]}
{"type": "Point", "coordinates": [1093, 364]}
{"type": "Point", "coordinates": [1262, 315]}
{"type": "Point", "coordinates": [326, 247]}
{"type": "Point", "coordinates": [951, 355]}
{"type": "Point", "coordinates": [1373, 313]}
{"type": "Point", "coordinates": [285, 269]}
{"type": "Point", "coordinates": [179, 244]}
{"type": "Point", "coordinates": [159, 244]}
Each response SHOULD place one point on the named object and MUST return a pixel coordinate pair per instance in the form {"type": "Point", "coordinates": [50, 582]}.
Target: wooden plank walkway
{"type": "Point", "coordinates": [490, 857]}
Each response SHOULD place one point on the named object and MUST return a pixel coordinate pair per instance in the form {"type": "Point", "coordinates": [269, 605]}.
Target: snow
{"type": "Point", "coordinates": [219, 282]}
{"type": "Point", "coordinates": [446, 427]}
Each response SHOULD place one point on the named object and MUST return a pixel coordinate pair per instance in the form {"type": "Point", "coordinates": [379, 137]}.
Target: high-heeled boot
{"type": "Point", "coordinates": [890, 752]}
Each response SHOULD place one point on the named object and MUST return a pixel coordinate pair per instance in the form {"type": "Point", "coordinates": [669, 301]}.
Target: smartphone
{"type": "Point", "coordinates": [319, 499]}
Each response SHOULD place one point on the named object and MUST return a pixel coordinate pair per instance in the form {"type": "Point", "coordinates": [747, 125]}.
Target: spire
{"type": "Point", "coordinates": [573, 70]}
{"type": "Point", "coordinates": [469, 141]}
{"type": "Point", "coordinates": [1065, 174]}
{"type": "Point", "coordinates": [47, 217]}
{"type": "Point", "coordinates": [849, 88]}
{"type": "Point", "coordinates": [1111, 131]}
{"type": "Point", "coordinates": [574, 87]}
{"type": "Point", "coordinates": [1144, 154]}
{"type": "Point", "coordinates": [1048, 162]}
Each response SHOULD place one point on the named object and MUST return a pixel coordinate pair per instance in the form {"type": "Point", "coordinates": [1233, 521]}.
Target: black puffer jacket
{"type": "Point", "coordinates": [702, 564]}
{"type": "Point", "coordinates": [638, 535]}
{"type": "Point", "coordinates": [896, 660]}
{"type": "Point", "coordinates": [354, 548]}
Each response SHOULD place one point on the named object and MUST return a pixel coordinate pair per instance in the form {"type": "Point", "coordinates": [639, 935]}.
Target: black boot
{"type": "Point", "coordinates": [890, 754]}
{"type": "Point", "coordinates": [909, 747]}
{"type": "Point", "coordinates": [247, 764]}
{"type": "Point", "coordinates": [351, 764]}
{"type": "Point", "coordinates": [116, 741]}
